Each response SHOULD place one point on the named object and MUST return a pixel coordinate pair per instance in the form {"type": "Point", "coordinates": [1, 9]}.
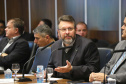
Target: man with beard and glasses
{"type": "Point", "coordinates": [77, 62]}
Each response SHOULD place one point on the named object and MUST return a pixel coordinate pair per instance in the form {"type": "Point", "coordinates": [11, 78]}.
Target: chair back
{"type": "Point", "coordinates": [41, 58]}
{"type": "Point", "coordinates": [105, 56]}
{"type": "Point", "coordinates": [30, 43]}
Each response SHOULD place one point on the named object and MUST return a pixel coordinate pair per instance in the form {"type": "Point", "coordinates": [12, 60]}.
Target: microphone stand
{"type": "Point", "coordinates": [51, 54]}
{"type": "Point", "coordinates": [104, 74]}
{"type": "Point", "coordinates": [46, 76]}
{"type": "Point", "coordinates": [24, 79]}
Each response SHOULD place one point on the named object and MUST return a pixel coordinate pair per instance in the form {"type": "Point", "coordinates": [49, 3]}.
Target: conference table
{"type": "Point", "coordinates": [34, 80]}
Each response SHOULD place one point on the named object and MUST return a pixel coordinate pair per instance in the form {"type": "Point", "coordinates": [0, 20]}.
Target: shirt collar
{"type": "Point", "coordinates": [67, 49]}
{"type": "Point", "coordinates": [13, 38]}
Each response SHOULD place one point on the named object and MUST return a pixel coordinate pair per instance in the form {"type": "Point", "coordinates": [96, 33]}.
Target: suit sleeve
{"type": "Point", "coordinates": [91, 63]}
{"type": "Point", "coordinates": [120, 77]}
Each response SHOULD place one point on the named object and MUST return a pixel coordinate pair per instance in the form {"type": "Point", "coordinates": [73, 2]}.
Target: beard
{"type": "Point", "coordinates": [68, 41]}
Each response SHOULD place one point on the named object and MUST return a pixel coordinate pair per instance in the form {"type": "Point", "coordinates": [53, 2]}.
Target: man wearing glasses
{"type": "Point", "coordinates": [2, 29]}
{"type": "Point", "coordinates": [74, 63]}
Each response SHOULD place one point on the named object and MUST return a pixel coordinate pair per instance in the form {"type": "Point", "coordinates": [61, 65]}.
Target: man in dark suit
{"type": "Point", "coordinates": [13, 48]}
{"type": "Point", "coordinates": [74, 63]}
{"type": "Point", "coordinates": [116, 67]}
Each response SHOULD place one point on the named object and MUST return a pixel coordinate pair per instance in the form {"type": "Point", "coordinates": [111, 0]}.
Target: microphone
{"type": "Point", "coordinates": [65, 47]}
{"type": "Point", "coordinates": [23, 79]}
{"type": "Point", "coordinates": [123, 50]}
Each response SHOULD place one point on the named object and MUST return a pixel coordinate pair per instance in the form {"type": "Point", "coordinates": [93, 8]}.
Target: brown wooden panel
{"type": "Point", "coordinates": [42, 9]}
{"type": "Point", "coordinates": [2, 14]}
{"type": "Point", "coordinates": [18, 9]}
{"type": "Point", "coordinates": [110, 36]}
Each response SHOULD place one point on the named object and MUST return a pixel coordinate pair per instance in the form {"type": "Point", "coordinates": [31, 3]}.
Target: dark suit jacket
{"type": "Point", "coordinates": [18, 52]}
{"type": "Point", "coordinates": [84, 59]}
{"type": "Point", "coordinates": [120, 73]}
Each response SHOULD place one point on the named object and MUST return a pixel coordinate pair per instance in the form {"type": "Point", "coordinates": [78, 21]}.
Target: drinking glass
{"type": "Point", "coordinates": [15, 68]}
{"type": "Point", "coordinates": [49, 72]}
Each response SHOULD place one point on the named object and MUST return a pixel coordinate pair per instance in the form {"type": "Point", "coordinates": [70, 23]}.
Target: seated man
{"type": "Point", "coordinates": [43, 36]}
{"type": "Point", "coordinates": [81, 29]}
{"type": "Point", "coordinates": [116, 67]}
{"type": "Point", "coordinates": [2, 29]}
{"type": "Point", "coordinates": [74, 63]}
{"type": "Point", "coordinates": [13, 48]}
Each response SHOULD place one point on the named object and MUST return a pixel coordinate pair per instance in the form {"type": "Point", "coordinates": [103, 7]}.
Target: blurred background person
{"type": "Point", "coordinates": [47, 22]}
{"type": "Point", "coordinates": [2, 29]}
{"type": "Point", "coordinates": [81, 29]}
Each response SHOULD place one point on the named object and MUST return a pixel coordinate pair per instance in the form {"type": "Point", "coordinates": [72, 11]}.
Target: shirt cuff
{"type": "Point", "coordinates": [107, 78]}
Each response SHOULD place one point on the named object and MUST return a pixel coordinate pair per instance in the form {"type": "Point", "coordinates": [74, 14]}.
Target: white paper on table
{"type": "Point", "coordinates": [54, 79]}
{"type": "Point", "coordinates": [19, 75]}
{"type": "Point", "coordinates": [7, 80]}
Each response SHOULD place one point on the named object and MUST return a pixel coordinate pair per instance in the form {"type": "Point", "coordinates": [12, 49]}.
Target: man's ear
{"type": "Point", "coordinates": [47, 37]}
{"type": "Point", "coordinates": [16, 30]}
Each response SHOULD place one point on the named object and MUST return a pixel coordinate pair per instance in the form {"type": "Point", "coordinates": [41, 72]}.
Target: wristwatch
{"type": "Point", "coordinates": [107, 78]}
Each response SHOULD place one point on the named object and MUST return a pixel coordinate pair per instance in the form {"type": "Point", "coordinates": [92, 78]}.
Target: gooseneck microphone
{"type": "Point", "coordinates": [24, 79]}
{"type": "Point", "coordinates": [64, 47]}
{"type": "Point", "coordinates": [123, 50]}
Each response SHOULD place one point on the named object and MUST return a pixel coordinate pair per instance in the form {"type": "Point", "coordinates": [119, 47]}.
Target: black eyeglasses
{"type": "Point", "coordinates": [63, 29]}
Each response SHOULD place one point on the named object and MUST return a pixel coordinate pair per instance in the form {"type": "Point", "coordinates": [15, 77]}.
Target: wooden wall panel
{"type": "Point", "coordinates": [74, 8]}
{"type": "Point", "coordinates": [110, 36]}
{"type": "Point", "coordinates": [46, 9]}
{"type": "Point", "coordinates": [18, 9]}
{"type": "Point", "coordinates": [42, 9]}
{"type": "Point", "coordinates": [2, 14]}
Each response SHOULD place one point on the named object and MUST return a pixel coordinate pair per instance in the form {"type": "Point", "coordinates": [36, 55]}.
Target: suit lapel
{"type": "Point", "coordinates": [75, 49]}
{"type": "Point", "coordinates": [118, 55]}
{"type": "Point", "coordinates": [60, 54]}
{"type": "Point", "coordinates": [3, 44]}
{"type": "Point", "coordinates": [11, 46]}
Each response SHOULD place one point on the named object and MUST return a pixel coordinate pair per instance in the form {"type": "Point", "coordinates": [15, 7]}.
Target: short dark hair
{"type": "Point", "coordinates": [18, 23]}
{"type": "Point", "coordinates": [67, 18]}
{"type": "Point", "coordinates": [43, 30]}
{"type": "Point", "coordinates": [3, 22]}
{"type": "Point", "coordinates": [82, 23]}
{"type": "Point", "coordinates": [47, 22]}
